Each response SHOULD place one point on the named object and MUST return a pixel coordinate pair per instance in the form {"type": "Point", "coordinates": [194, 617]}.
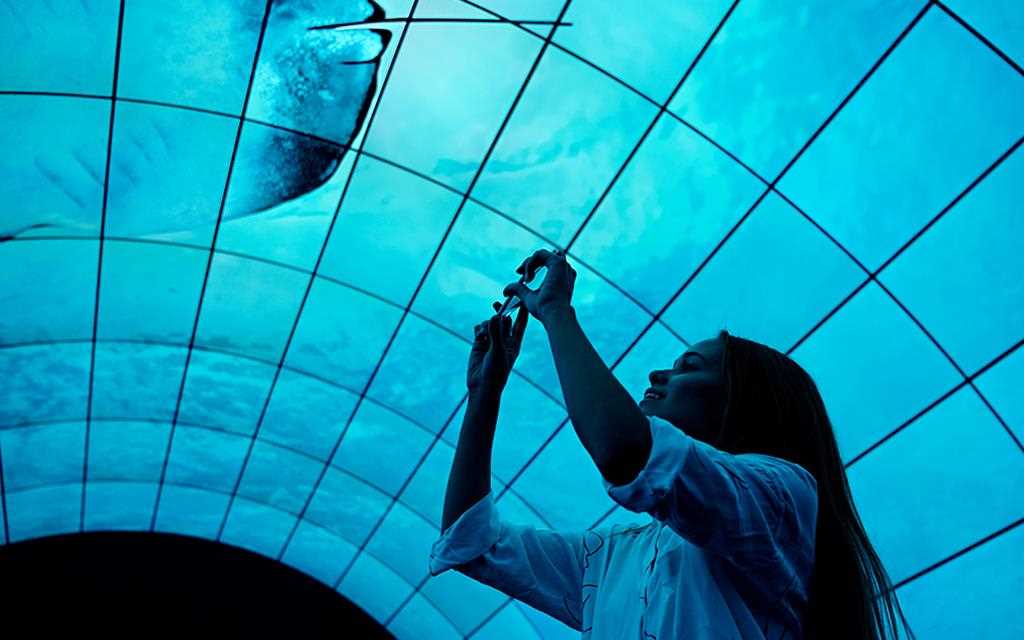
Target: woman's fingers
{"type": "Point", "coordinates": [540, 258]}
{"type": "Point", "coordinates": [494, 331]}
{"type": "Point", "coordinates": [520, 327]}
{"type": "Point", "coordinates": [481, 340]}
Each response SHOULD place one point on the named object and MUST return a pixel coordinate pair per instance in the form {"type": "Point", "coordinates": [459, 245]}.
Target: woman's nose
{"type": "Point", "coordinates": [655, 377]}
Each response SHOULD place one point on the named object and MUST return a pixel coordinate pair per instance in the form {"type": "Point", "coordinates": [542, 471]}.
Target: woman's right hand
{"type": "Point", "coordinates": [496, 346]}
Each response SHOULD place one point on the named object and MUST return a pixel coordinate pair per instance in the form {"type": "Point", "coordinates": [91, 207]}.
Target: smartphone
{"type": "Point", "coordinates": [511, 304]}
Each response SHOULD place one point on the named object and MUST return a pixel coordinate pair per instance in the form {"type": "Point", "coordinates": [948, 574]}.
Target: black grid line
{"type": "Point", "coordinates": [209, 261]}
{"type": "Point", "coordinates": [626, 294]}
{"type": "Point", "coordinates": [58, 422]}
{"type": "Point", "coordinates": [32, 424]}
{"type": "Point", "coordinates": [980, 395]}
{"type": "Point", "coordinates": [150, 101]}
{"type": "Point", "coordinates": [416, 424]}
{"type": "Point", "coordinates": [746, 215]}
{"type": "Point", "coordinates": [451, 416]}
{"type": "Point", "coordinates": [193, 485]}
{"type": "Point", "coordinates": [662, 108]}
{"type": "Point", "coordinates": [418, 587]}
{"type": "Point", "coordinates": [217, 491]}
{"type": "Point", "coordinates": [365, 24]}
{"type": "Point", "coordinates": [433, 180]}
{"type": "Point", "coordinates": [380, 521]}
{"type": "Point", "coordinates": [943, 9]}
{"type": "Point", "coordinates": [361, 152]}
{"type": "Point", "coordinates": [529, 621]}
{"type": "Point", "coordinates": [631, 88]}
{"type": "Point", "coordinates": [483, 623]}
{"type": "Point", "coordinates": [213, 490]}
{"type": "Point", "coordinates": [968, 380]}
{"type": "Point", "coordinates": [612, 76]}
{"type": "Point", "coordinates": [974, 32]}
{"type": "Point", "coordinates": [499, 18]}
{"type": "Point", "coordinates": [772, 188]}
{"type": "Point", "coordinates": [971, 547]}
{"type": "Point", "coordinates": [617, 79]}
{"type": "Point", "coordinates": [70, 422]}
{"type": "Point", "coordinates": [402, 167]}
{"type": "Point", "coordinates": [312, 375]}
{"type": "Point", "coordinates": [56, 94]}
{"type": "Point", "coordinates": [913, 577]}
{"type": "Point", "coordinates": [451, 224]}
{"type": "Point", "coordinates": [872, 276]}
{"type": "Point", "coordinates": [302, 306]}
{"type": "Point", "coordinates": [426, 319]}
{"type": "Point", "coordinates": [146, 342]}
{"type": "Point", "coordinates": [905, 245]}
{"type": "Point", "coordinates": [223, 114]}
{"type": "Point", "coordinates": [729, 234]}
{"type": "Point", "coordinates": [605, 72]}
{"type": "Point", "coordinates": [99, 264]}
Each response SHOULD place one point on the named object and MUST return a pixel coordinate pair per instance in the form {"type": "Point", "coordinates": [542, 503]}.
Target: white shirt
{"type": "Point", "coordinates": [728, 555]}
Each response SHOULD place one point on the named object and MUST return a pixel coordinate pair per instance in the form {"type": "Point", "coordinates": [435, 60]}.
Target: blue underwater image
{"type": "Point", "coordinates": [244, 246]}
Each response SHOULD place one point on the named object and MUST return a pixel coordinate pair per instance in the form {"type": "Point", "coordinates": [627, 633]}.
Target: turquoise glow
{"type": "Point", "coordinates": [237, 300]}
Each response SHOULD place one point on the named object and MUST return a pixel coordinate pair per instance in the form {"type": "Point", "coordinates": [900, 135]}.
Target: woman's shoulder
{"type": "Point", "coordinates": [794, 476]}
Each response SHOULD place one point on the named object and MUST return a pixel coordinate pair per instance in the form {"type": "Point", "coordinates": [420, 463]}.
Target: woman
{"type": "Point", "coordinates": [754, 534]}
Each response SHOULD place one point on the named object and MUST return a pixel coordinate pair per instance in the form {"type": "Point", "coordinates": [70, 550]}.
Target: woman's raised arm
{"type": "Point", "coordinates": [470, 477]}
{"type": "Point", "coordinates": [541, 567]}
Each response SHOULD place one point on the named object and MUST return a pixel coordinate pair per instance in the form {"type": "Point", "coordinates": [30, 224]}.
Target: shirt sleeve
{"type": "Point", "coordinates": [756, 510]}
{"type": "Point", "coordinates": [541, 567]}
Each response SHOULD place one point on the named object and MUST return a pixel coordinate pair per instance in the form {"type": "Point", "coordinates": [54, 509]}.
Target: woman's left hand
{"type": "Point", "coordinates": [554, 293]}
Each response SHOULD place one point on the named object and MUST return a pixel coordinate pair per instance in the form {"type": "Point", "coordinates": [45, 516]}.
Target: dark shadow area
{"type": "Point", "coordinates": [144, 585]}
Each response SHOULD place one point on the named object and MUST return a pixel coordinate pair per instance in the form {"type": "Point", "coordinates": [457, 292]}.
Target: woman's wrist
{"type": "Point", "coordinates": [559, 313]}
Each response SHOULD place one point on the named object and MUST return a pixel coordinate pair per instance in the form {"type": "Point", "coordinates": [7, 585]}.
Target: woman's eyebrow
{"type": "Point", "coordinates": [675, 364]}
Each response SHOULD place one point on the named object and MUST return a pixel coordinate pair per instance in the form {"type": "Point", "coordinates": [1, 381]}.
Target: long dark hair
{"type": "Point", "coordinates": [773, 407]}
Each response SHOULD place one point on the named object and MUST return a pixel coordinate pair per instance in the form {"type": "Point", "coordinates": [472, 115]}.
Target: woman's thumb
{"type": "Point", "coordinates": [514, 289]}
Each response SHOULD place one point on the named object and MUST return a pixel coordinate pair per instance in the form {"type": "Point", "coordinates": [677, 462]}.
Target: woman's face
{"type": "Point", "coordinates": [692, 392]}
